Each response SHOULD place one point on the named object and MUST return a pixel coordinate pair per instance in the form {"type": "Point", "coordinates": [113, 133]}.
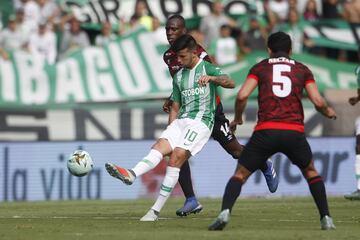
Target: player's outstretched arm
{"type": "Point", "coordinates": [240, 103]}
{"type": "Point", "coordinates": [319, 102]}
{"type": "Point", "coordinates": [223, 80]}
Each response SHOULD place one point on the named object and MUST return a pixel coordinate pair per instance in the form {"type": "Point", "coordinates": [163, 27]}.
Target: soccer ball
{"type": "Point", "coordinates": [80, 163]}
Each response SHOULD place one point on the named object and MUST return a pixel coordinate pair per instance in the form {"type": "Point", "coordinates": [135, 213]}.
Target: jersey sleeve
{"type": "Point", "coordinates": [254, 73]}
{"type": "Point", "coordinates": [213, 70]}
{"type": "Point", "coordinates": [176, 95]}
{"type": "Point", "coordinates": [308, 76]}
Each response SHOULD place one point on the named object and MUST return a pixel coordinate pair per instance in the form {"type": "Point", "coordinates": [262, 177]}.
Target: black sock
{"type": "Point", "coordinates": [232, 192]}
{"type": "Point", "coordinates": [185, 180]}
{"type": "Point", "coordinates": [317, 189]}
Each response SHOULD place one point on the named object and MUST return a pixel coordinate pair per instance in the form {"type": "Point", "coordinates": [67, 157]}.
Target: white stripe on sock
{"type": "Point", "coordinates": [170, 180]}
{"type": "Point", "coordinates": [149, 162]}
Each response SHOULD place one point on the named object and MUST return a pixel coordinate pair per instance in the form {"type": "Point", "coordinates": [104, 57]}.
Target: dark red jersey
{"type": "Point", "coordinates": [173, 64]}
{"type": "Point", "coordinates": [280, 83]}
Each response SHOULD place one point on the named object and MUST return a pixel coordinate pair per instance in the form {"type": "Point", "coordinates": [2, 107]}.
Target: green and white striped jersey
{"type": "Point", "coordinates": [357, 73]}
{"type": "Point", "coordinates": [196, 102]}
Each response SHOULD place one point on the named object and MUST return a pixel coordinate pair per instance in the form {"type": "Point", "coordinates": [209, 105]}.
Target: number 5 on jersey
{"type": "Point", "coordinates": [281, 84]}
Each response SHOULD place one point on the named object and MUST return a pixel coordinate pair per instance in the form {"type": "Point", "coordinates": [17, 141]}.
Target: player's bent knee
{"type": "Point", "coordinates": [242, 174]}
{"type": "Point", "coordinates": [236, 154]}
{"type": "Point", "coordinates": [240, 177]}
{"type": "Point", "coordinates": [310, 171]}
{"type": "Point", "coordinates": [178, 158]}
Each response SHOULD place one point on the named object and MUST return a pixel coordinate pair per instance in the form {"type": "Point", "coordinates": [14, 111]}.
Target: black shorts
{"type": "Point", "coordinates": [221, 131]}
{"type": "Point", "coordinates": [264, 143]}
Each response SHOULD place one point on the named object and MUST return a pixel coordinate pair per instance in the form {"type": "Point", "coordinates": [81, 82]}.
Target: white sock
{"type": "Point", "coordinates": [148, 163]}
{"type": "Point", "coordinates": [170, 180]}
{"type": "Point", "coordinates": [357, 171]}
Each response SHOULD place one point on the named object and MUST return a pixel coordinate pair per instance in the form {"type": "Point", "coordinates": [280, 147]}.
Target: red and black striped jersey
{"type": "Point", "coordinates": [281, 82]}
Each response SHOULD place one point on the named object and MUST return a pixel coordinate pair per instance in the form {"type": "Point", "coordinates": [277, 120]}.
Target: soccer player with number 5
{"type": "Point", "coordinates": [280, 127]}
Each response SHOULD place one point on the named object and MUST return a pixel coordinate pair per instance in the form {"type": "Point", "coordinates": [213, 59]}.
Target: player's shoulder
{"type": "Point", "coordinates": [302, 66]}
{"type": "Point", "coordinates": [209, 64]}
{"type": "Point", "coordinates": [263, 63]}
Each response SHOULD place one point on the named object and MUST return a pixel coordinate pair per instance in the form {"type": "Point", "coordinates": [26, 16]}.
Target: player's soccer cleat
{"type": "Point", "coordinates": [327, 223]}
{"type": "Point", "coordinates": [221, 221]}
{"type": "Point", "coordinates": [191, 205]}
{"type": "Point", "coordinates": [353, 196]}
{"type": "Point", "coordinates": [272, 179]}
{"type": "Point", "coordinates": [125, 175]}
{"type": "Point", "coordinates": [150, 216]}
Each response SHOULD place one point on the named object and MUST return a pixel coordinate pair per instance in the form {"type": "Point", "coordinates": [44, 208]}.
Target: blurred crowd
{"type": "Point", "coordinates": [47, 31]}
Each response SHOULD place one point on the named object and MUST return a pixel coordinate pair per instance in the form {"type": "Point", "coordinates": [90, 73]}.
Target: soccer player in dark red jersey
{"type": "Point", "coordinates": [280, 127]}
{"type": "Point", "coordinates": [175, 27]}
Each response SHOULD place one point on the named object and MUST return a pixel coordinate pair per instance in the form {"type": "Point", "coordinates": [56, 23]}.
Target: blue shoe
{"type": "Point", "coordinates": [272, 179]}
{"type": "Point", "coordinates": [191, 205]}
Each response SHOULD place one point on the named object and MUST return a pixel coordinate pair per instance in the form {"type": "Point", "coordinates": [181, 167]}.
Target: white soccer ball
{"type": "Point", "coordinates": [80, 163]}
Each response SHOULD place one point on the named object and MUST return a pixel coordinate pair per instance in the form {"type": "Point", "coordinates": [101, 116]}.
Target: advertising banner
{"type": "Point", "coordinates": [37, 171]}
{"type": "Point", "coordinates": [112, 123]}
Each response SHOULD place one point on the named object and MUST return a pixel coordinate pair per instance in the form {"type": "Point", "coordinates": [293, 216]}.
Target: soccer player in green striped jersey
{"type": "Point", "coordinates": [191, 120]}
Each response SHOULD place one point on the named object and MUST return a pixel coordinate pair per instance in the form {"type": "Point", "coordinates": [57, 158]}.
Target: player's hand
{"type": "Point", "coordinates": [203, 80]}
{"type": "Point", "coordinates": [233, 125]}
{"type": "Point", "coordinates": [167, 105]}
{"type": "Point", "coordinates": [331, 113]}
{"type": "Point", "coordinates": [353, 100]}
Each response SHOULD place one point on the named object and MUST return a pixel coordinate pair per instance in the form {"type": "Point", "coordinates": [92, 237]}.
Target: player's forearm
{"type": "Point", "coordinates": [172, 116]}
{"type": "Point", "coordinates": [224, 81]}
{"type": "Point", "coordinates": [175, 107]}
{"type": "Point", "coordinates": [239, 109]}
{"type": "Point", "coordinates": [323, 108]}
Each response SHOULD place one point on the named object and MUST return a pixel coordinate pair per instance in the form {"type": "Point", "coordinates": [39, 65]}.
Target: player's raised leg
{"type": "Point", "coordinates": [194, 136]}
{"type": "Point", "coordinates": [161, 148]}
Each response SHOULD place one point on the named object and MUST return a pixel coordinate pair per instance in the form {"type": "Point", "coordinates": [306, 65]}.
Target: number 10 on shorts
{"type": "Point", "coordinates": [190, 135]}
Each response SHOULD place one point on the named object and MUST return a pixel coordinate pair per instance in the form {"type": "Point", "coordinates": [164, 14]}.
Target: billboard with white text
{"type": "Point", "coordinates": [37, 171]}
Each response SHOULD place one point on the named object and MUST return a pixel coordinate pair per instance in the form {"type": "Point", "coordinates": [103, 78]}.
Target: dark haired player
{"type": "Point", "coordinates": [175, 27]}
{"type": "Point", "coordinates": [191, 120]}
{"type": "Point", "coordinates": [280, 127]}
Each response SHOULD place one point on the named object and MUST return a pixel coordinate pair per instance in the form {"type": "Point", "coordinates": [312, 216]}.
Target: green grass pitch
{"type": "Point", "coordinates": [252, 218]}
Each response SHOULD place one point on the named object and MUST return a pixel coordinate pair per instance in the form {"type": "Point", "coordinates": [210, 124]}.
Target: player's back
{"type": "Point", "coordinates": [280, 83]}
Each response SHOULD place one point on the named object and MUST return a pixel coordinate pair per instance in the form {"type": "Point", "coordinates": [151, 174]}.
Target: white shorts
{"type": "Point", "coordinates": [189, 134]}
{"type": "Point", "coordinates": [357, 126]}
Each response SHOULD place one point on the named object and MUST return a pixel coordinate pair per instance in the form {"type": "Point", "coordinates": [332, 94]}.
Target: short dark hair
{"type": "Point", "coordinates": [279, 42]}
{"type": "Point", "coordinates": [178, 17]}
{"type": "Point", "coordinates": [184, 41]}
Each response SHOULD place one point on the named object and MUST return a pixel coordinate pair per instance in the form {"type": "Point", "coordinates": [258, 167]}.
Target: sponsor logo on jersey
{"type": "Point", "coordinates": [281, 59]}
{"type": "Point", "coordinates": [193, 91]}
